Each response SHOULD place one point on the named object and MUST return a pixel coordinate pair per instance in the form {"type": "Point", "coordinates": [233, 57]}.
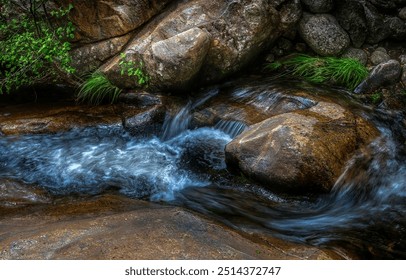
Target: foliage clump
{"type": "Point", "coordinates": [34, 43]}
{"type": "Point", "coordinates": [344, 72]}
{"type": "Point", "coordinates": [132, 69]}
{"type": "Point", "coordinates": [98, 88]}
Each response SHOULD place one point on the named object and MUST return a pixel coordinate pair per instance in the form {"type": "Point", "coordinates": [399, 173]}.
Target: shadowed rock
{"type": "Point", "coordinates": [384, 73]}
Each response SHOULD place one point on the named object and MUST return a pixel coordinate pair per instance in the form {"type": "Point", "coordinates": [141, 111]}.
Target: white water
{"type": "Point", "coordinates": [95, 159]}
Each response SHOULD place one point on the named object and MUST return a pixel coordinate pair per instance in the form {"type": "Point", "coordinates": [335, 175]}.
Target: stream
{"type": "Point", "coordinates": [363, 216]}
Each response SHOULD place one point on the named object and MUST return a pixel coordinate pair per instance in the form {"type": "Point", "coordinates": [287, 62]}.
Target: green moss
{"type": "Point", "coordinates": [98, 88]}
{"type": "Point", "coordinates": [344, 72]}
{"type": "Point", "coordinates": [376, 97]}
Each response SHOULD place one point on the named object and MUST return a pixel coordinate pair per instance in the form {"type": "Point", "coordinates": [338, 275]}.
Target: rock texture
{"type": "Point", "coordinates": [61, 116]}
{"type": "Point", "coordinates": [250, 102]}
{"type": "Point", "coordinates": [212, 39]}
{"type": "Point", "coordinates": [378, 28]}
{"type": "Point", "coordinates": [323, 34]}
{"type": "Point", "coordinates": [384, 73]}
{"type": "Point", "coordinates": [378, 57]}
{"type": "Point", "coordinates": [182, 45]}
{"type": "Point", "coordinates": [90, 57]}
{"type": "Point", "coordinates": [101, 20]}
{"type": "Point", "coordinates": [111, 227]}
{"type": "Point", "coordinates": [351, 16]}
{"type": "Point", "coordinates": [300, 152]}
{"type": "Point", "coordinates": [357, 54]}
{"type": "Point", "coordinates": [318, 6]}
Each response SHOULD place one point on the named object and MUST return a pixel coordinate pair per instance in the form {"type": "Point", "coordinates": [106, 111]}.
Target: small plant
{"type": "Point", "coordinates": [132, 69]}
{"type": "Point", "coordinates": [345, 72]}
{"type": "Point", "coordinates": [34, 44]}
{"type": "Point", "coordinates": [376, 97]}
{"type": "Point", "coordinates": [98, 88]}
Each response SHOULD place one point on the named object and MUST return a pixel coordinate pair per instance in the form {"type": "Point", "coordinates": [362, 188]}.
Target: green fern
{"type": "Point", "coordinates": [98, 88]}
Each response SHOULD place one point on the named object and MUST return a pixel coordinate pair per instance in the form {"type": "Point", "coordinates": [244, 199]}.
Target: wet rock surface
{"type": "Point", "coordinates": [15, 194]}
{"type": "Point", "coordinates": [300, 152]}
{"type": "Point", "coordinates": [31, 118]}
{"type": "Point", "coordinates": [111, 227]}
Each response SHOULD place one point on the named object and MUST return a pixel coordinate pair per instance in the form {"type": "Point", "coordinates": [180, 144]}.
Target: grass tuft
{"type": "Point", "coordinates": [98, 88]}
{"type": "Point", "coordinates": [344, 72]}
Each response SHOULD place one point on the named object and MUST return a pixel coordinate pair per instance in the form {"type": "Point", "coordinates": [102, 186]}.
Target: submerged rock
{"type": "Point", "coordinates": [16, 194]}
{"type": "Point", "coordinates": [111, 227]}
{"type": "Point", "coordinates": [250, 102]}
{"type": "Point", "coordinates": [300, 152]}
{"type": "Point", "coordinates": [146, 123]}
{"type": "Point", "coordinates": [61, 116]}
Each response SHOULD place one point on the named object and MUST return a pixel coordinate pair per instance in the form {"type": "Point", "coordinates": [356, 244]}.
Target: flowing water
{"type": "Point", "coordinates": [363, 216]}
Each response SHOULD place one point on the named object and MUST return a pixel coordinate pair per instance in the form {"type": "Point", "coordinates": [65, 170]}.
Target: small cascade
{"type": "Point", "coordinates": [232, 128]}
{"type": "Point", "coordinates": [179, 122]}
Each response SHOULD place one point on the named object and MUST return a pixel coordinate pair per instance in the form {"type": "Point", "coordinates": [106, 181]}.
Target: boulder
{"type": "Point", "coordinates": [89, 57]}
{"type": "Point", "coordinates": [403, 78]}
{"type": "Point", "coordinates": [318, 6]}
{"type": "Point", "coordinates": [378, 57]}
{"type": "Point", "coordinates": [383, 74]}
{"type": "Point", "coordinates": [402, 13]}
{"type": "Point", "coordinates": [378, 27]}
{"type": "Point", "coordinates": [397, 28]}
{"type": "Point", "coordinates": [100, 20]}
{"type": "Point", "coordinates": [116, 228]}
{"type": "Point", "coordinates": [179, 58]}
{"type": "Point", "coordinates": [206, 39]}
{"type": "Point", "coordinates": [290, 14]}
{"type": "Point", "coordinates": [323, 34]}
{"type": "Point", "coordinates": [351, 16]}
{"type": "Point", "coordinates": [300, 152]}
{"type": "Point", "coordinates": [357, 54]}
{"type": "Point", "coordinates": [402, 59]}
{"type": "Point", "coordinates": [146, 123]}
{"type": "Point", "coordinates": [388, 5]}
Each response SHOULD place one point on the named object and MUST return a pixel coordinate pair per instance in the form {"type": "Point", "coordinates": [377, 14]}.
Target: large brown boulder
{"type": "Point", "coordinates": [206, 39]}
{"type": "Point", "coordinates": [300, 152]}
{"type": "Point", "coordinates": [112, 227]}
{"type": "Point", "coordinates": [100, 20]}
{"type": "Point", "coordinates": [103, 28]}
